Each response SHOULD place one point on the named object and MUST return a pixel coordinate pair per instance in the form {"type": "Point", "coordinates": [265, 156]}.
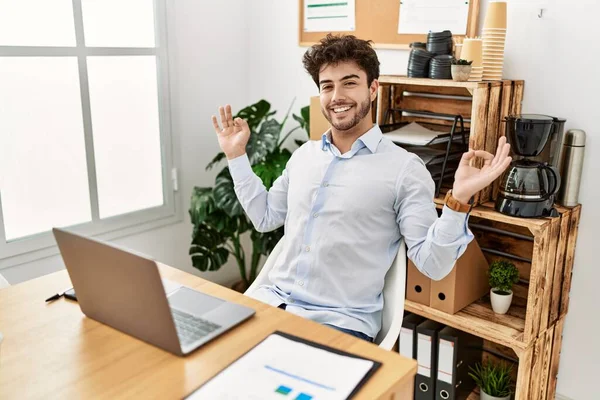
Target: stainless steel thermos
{"type": "Point", "coordinates": [571, 164]}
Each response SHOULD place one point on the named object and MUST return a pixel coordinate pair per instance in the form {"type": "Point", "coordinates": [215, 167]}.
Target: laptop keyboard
{"type": "Point", "coordinates": [191, 329]}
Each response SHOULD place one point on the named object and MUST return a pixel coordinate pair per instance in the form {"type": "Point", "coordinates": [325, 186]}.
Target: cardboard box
{"type": "Point", "coordinates": [417, 285]}
{"type": "Point", "coordinates": [318, 123]}
{"type": "Point", "coordinates": [466, 283]}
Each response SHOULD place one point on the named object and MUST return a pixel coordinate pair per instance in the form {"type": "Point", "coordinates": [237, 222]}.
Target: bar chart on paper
{"type": "Point", "coordinates": [284, 369]}
{"type": "Point", "coordinates": [329, 15]}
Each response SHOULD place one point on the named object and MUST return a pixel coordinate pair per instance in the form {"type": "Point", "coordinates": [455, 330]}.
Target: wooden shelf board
{"type": "Point", "coordinates": [487, 211]}
{"type": "Point", "coordinates": [479, 319]}
{"type": "Point", "coordinates": [401, 79]}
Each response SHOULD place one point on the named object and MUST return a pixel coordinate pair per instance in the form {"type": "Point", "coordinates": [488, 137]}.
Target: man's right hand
{"type": "Point", "coordinates": [234, 135]}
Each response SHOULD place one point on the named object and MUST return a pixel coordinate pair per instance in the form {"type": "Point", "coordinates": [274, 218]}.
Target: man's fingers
{"type": "Point", "coordinates": [223, 117]}
{"type": "Point", "coordinates": [243, 124]}
{"type": "Point", "coordinates": [506, 150]}
{"type": "Point", "coordinates": [499, 150]}
{"type": "Point", "coordinates": [228, 115]}
{"type": "Point", "coordinates": [500, 167]}
{"type": "Point", "coordinates": [216, 125]}
{"type": "Point", "coordinates": [466, 157]}
{"type": "Point", "coordinates": [485, 155]}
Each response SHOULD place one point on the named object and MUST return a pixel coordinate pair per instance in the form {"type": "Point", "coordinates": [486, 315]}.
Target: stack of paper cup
{"type": "Point", "coordinates": [494, 37]}
{"type": "Point", "coordinates": [472, 51]}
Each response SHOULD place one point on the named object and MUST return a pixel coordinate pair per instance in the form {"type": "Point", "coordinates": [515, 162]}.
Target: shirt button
{"type": "Point", "coordinates": [315, 215]}
{"type": "Point", "coordinates": [291, 300]}
{"type": "Point", "coordinates": [307, 248]}
{"type": "Point", "coordinates": [301, 283]}
{"type": "Point", "coordinates": [325, 184]}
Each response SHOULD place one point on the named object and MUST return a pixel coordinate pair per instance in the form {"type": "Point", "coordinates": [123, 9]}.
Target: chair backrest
{"type": "Point", "coordinates": [393, 294]}
{"type": "Point", "coordinates": [393, 301]}
{"type": "Point", "coordinates": [263, 275]}
{"type": "Point", "coordinates": [3, 282]}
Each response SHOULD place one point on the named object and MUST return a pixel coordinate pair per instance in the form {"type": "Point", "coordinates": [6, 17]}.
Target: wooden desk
{"type": "Point", "coordinates": [54, 351]}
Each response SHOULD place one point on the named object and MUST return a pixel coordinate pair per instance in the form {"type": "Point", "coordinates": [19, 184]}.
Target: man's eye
{"type": "Point", "coordinates": [325, 87]}
{"type": "Point", "coordinates": [350, 83]}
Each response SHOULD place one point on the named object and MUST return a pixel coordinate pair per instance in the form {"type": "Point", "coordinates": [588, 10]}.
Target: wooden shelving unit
{"type": "Point", "coordinates": [543, 250]}
{"type": "Point", "coordinates": [482, 104]}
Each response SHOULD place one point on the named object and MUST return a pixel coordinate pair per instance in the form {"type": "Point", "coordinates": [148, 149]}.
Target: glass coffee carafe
{"type": "Point", "coordinates": [528, 187]}
{"type": "Point", "coordinates": [529, 180]}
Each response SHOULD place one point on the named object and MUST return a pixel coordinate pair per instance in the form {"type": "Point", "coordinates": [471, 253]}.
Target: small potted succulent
{"type": "Point", "coordinates": [494, 380]}
{"type": "Point", "coordinates": [461, 70]}
{"type": "Point", "coordinates": [502, 276]}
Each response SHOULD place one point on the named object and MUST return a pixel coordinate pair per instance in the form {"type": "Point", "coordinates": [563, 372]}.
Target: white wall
{"type": "Point", "coordinates": [555, 55]}
{"type": "Point", "coordinates": [208, 54]}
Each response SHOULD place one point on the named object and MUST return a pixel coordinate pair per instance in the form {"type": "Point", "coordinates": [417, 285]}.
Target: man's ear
{"type": "Point", "coordinates": [374, 89]}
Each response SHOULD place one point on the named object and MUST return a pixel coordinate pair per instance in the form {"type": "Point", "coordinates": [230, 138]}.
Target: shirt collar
{"type": "Point", "coordinates": [370, 139]}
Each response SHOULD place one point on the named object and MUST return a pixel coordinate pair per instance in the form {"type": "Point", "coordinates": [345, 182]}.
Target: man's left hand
{"type": "Point", "coordinates": [469, 180]}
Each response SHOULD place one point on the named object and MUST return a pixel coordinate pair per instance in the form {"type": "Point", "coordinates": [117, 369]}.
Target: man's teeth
{"type": "Point", "coordinates": [341, 109]}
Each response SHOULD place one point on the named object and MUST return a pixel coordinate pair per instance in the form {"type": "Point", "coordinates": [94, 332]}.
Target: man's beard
{"type": "Point", "coordinates": [362, 112]}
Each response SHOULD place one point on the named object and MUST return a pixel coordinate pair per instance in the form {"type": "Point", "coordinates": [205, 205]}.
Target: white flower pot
{"type": "Point", "coordinates": [500, 302]}
{"type": "Point", "coordinates": [460, 73]}
{"type": "Point", "coordinates": [485, 396]}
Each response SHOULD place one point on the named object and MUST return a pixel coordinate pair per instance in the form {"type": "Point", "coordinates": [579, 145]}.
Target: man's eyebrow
{"type": "Point", "coordinates": [343, 79]}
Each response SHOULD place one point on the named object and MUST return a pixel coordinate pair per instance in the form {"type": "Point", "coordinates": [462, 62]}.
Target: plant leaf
{"type": "Point", "coordinates": [503, 274]}
{"type": "Point", "coordinates": [305, 113]}
{"type": "Point", "coordinates": [255, 113]}
{"type": "Point", "coordinates": [272, 166]}
{"type": "Point", "coordinates": [304, 119]}
{"type": "Point", "coordinates": [264, 141]}
{"type": "Point", "coordinates": [202, 204]}
{"type": "Point", "coordinates": [215, 160]}
{"type": "Point", "coordinates": [224, 194]}
{"type": "Point", "coordinates": [208, 249]}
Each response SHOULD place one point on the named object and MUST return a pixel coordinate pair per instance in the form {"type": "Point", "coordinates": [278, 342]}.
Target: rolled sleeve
{"type": "Point", "coordinates": [451, 226]}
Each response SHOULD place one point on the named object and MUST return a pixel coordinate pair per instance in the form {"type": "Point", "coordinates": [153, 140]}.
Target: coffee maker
{"type": "Point", "coordinates": [529, 186]}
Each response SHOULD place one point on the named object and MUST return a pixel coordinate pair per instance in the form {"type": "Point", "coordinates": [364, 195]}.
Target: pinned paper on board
{"type": "Point", "coordinates": [422, 16]}
{"type": "Point", "coordinates": [329, 15]}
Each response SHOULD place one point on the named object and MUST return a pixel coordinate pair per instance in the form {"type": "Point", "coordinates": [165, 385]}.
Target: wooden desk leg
{"type": "Point", "coordinates": [405, 392]}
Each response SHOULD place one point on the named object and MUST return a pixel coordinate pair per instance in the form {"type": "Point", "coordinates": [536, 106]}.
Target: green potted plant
{"type": "Point", "coordinates": [461, 70]}
{"type": "Point", "coordinates": [502, 276]}
{"type": "Point", "coordinates": [494, 380]}
{"type": "Point", "coordinates": [216, 214]}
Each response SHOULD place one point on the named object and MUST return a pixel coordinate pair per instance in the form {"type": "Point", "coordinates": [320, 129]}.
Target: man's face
{"type": "Point", "coordinates": [345, 95]}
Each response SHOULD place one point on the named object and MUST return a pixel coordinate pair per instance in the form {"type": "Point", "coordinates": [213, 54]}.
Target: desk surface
{"type": "Point", "coordinates": [54, 351]}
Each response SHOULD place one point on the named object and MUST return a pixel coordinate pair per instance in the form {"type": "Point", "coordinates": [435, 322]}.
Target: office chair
{"type": "Point", "coordinates": [393, 294]}
{"type": "Point", "coordinates": [3, 282]}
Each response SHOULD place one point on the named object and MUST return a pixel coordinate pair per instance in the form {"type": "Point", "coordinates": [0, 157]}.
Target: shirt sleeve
{"type": "Point", "coordinates": [266, 209]}
{"type": "Point", "coordinates": [434, 244]}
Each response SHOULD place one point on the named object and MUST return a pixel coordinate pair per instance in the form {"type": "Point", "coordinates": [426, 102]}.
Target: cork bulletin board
{"type": "Point", "coordinates": [377, 20]}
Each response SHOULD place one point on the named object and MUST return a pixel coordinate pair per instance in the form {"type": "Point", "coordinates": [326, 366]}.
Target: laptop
{"type": "Point", "coordinates": [125, 291]}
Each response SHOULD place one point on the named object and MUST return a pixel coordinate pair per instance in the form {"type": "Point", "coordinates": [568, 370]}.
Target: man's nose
{"type": "Point", "coordinates": [338, 95]}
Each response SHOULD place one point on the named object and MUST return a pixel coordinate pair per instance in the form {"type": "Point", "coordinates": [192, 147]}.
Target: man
{"type": "Point", "coordinates": [347, 200]}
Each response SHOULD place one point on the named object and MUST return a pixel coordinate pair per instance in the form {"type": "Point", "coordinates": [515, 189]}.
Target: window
{"type": "Point", "coordinates": [84, 122]}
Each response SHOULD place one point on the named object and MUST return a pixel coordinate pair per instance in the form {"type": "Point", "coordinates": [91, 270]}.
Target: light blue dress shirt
{"type": "Point", "coordinates": [344, 217]}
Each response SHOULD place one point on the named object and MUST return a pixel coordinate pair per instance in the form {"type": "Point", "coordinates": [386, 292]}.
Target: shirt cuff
{"type": "Point", "coordinates": [454, 222]}
{"type": "Point", "coordinates": [240, 168]}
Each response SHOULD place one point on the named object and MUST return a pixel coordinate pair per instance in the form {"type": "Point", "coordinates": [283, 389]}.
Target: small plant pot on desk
{"type": "Point", "coordinates": [501, 300]}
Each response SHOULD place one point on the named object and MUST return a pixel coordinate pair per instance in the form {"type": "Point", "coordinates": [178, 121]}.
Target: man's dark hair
{"type": "Point", "coordinates": [335, 49]}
